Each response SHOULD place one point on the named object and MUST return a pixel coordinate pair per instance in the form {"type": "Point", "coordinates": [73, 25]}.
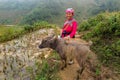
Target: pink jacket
{"type": "Point", "coordinates": [69, 28]}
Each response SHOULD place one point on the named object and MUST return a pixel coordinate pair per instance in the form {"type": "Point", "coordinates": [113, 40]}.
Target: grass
{"type": "Point", "coordinates": [12, 32]}
{"type": "Point", "coordinates": [47, 71]}
{"type": "Point", "coordinates": [8, 33]}
{"type": "Point", "coordinates": [104, 31]}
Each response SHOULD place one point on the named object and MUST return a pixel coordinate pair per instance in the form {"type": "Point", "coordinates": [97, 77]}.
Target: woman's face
{"type": "Point", "coordinates": [69, 15]}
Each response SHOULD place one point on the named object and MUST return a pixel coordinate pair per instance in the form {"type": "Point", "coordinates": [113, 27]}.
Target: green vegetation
{"type": "Point", "coordinates": [8, 33]}
{"type": "Point", "coordinates": [47, 11]}
{"type": "Point", "coordinates": [12, 11]}
{"type": "Point", "coordinates": [104, 31]}
{"type": "Point", "coordinates": [105, 5]}
{"type": "Point", "coordinates": [54, 11]}
{"type": "Point", "coordinates": [47, 73]}
{"type": "Point", "coordinates": [48, 70]}
{"type": "Point", "coordinates": [38, 25]}
{"type": "Point", "coordinates": [19, 11]}
{"type": "Point", "coordinates": [12, 32]}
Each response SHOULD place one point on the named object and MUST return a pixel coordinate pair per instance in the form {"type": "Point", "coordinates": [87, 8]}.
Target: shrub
{"type": "Point", "coordinates": [105, 34]}
{"type": "Point", "coordinates": [8, 33]}
{"type": "Point", "coordinates": [91, 22]}
{"type": "Point", "coordinates": [84, 26]}
{"type": "Point", "coordinates": [42, 24]}
{"type": "Point", "coordinates": [28, 28]}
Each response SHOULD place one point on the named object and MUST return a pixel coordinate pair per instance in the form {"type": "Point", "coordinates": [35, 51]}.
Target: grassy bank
{"type": "Point", "coordinates": [104, 31]}
{"type": "Point", "coordinates": [12, 32]}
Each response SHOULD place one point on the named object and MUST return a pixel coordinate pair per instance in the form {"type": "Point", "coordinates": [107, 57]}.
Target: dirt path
{"type": "Point", "coordinates": [69, 73]}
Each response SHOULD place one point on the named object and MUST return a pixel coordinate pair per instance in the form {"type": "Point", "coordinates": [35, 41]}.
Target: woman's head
{"type": "Point", "coordinates": [69, 13]}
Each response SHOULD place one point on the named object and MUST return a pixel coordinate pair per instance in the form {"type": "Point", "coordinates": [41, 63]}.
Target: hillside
{"type": "Point", "coordinates": [16, 11]}
{"type": "Point", "coordinates": [20, 57]}
{"type": "Point", "coordinates": [104, 31]}
{"type": "Point", "coordinates": [12, 11]}
{"type": "Point", "coordinates": [53, 11]}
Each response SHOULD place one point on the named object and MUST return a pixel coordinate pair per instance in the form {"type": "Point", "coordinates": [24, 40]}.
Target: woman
{"type": "Point", "coordinates": [70, 26]}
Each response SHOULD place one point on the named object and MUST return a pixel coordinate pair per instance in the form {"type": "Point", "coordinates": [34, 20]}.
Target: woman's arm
{"type": "Point", "coordinates": [74, 29]}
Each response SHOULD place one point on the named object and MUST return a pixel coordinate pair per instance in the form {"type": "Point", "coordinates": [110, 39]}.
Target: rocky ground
{"type": "Point", "coordinates": [18, 58]}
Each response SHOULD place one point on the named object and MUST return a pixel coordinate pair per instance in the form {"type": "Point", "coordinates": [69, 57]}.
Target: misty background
{"type": "Point", "coordinates": [30, 11]}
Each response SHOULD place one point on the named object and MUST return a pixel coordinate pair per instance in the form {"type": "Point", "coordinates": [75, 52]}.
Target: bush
{"type": "Point", "coordinates": [84, 26]}
{"type": "Point", "coordinates": [91, 22]}
{"type": "Point", "coordinates": [105, 34]}
{"type": "Point", "coordinates": [42, 24]}
{"type": "Point", "coordinates": [37, 26]}
{"type": "Point", "coordinates": [8, 33]}
{"type": "Point", "coordinates": [28, 28]}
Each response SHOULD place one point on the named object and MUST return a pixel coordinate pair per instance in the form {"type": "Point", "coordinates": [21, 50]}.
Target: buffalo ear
{"type": "Point", "coordinates": [52, 36]}
{"type": "Point", "coordinates": [55, 37]}
{"type": "Point", "coordinates": [53, 42]}
{"type": "Point", "coordinates": [49, 37]}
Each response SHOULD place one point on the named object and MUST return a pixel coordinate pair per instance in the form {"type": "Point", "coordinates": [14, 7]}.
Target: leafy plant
{"type": "Point", "coordinates": [47, 72]}
{"type": "Point", "coordinates": [28, 28]}
{"type": "Point", "coordinates": [105, 34]}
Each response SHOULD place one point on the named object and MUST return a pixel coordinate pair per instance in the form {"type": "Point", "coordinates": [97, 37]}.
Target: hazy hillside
{"type": "Point", "coordinates": [30, 11]}
{"type": "Point", "coordinates": [12, 11]}
{"type": "Point", "coordinates": [53, 11]}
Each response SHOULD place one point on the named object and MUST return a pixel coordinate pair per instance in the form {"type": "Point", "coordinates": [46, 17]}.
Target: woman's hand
{"type": "Point", "coordinates": [67, 37]}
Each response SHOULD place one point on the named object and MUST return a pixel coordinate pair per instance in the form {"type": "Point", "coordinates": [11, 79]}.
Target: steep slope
{"type": "Point", "coordinates": [18, 57]}
{"type": "Point", "coordinates": [83, 9]}
{"type": "Point", "coordinates": [12, 11]}
{"type": "Point", "coordinates": [104, 31]}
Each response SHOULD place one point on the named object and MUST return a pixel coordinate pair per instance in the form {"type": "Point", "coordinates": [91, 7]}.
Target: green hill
{"type": "Point", "coordinates": [104, 31]}
{"type": "Point", "coordinates": [12, 11]}
{"type": "Point", "coordinates": [16, 11]}
{"type": "Point", "coordinates": [53, 11]}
